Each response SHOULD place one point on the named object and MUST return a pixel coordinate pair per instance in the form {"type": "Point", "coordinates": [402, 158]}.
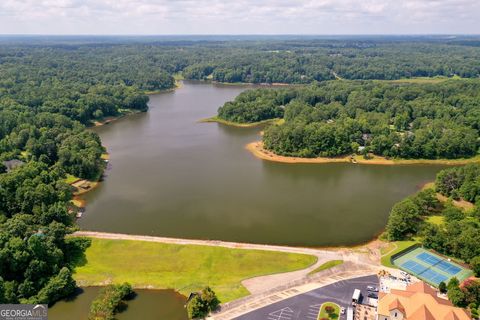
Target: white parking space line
{"type": "Point", "coordinates": [313, 311]}
{"type": "Point", "coordinates": [282, 314]}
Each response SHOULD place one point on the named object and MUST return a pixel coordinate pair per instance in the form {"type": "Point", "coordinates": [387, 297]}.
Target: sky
{"type": "Point", "coordinates": [318, 17]}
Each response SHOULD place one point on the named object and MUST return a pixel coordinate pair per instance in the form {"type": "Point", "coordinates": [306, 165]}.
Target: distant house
{"type": "Point", "coordinates": [12, 164]}
{"type": "Point", "coordinates": [418, 302]}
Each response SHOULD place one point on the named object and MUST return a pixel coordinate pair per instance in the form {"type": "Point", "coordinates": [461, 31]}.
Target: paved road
{"type": "Point", "coordinates": [306, 306]}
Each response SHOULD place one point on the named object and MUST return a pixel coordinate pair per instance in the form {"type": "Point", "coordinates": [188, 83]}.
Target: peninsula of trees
{"type": "Point", "coordinates": [337, 118]}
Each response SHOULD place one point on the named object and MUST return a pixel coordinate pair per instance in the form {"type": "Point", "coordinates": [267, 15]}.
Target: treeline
{"type": "Point", "coordinates": [459, 235]}
{"type": "Point", "coordinates": [337, 118]}
{"type": "Point", "coordinates": [150, 65]}
{"type": "Point", "coordinates": [307, 61]}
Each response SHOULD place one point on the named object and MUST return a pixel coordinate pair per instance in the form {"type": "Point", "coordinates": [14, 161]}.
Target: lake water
{"type": "Point", "coordinates": [147, 305]}
{"type": "Point", "coordinates": [172, 176]}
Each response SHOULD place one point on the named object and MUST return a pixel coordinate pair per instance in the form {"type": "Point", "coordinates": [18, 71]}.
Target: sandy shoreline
{"type": "Point", "coordinates": [256, 148]}
{"type": "Point", "coordinates": [239, 125]}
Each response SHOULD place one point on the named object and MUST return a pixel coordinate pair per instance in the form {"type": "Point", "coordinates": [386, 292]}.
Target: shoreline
{"type": "Point", "coordinates": [240, 125]}
{"type": "Point", "coordinates": [108, 120]}
{"type": "Point", "coordinates": [256, 148]}
{"type": "Point", "coordinates": [375, 241]}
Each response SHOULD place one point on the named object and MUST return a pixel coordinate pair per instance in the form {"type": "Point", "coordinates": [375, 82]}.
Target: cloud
{"type": "Point", "coordinates": [239, 16]}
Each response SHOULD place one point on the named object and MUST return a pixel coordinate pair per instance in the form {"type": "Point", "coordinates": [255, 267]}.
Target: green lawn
{"type": "Point", "coordinates": [394, 248]}
{"type": "Point", "coordinates": [70, 178]}
{"type": "Point", "coordinates": [325, 315]}
{"type": "Point", "coordinates": [185, 268]}
{"type": "Point", "coordinates": [326, 265]}
{"type": "Point", "coordinates": [437, 220]}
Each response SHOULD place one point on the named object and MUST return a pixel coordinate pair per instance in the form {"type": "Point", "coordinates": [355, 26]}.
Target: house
{"type": "Point", "coordinates": [418, 302]}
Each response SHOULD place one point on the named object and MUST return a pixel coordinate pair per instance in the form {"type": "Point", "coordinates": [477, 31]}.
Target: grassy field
{"type": "Point", "coordinates": [242, 125]}
{"type": "Point", "coordinates": [185, 268]}
{"type": "Point", "coordinates": [325, 315]}
{"type": "Point", "coordinates": [326, 265]}
{"type": "Point", "coordinates": [394, 248]}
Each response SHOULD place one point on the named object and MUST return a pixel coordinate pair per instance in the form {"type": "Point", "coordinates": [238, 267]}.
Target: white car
{"type": "Point", "coordinates": [342, 310]}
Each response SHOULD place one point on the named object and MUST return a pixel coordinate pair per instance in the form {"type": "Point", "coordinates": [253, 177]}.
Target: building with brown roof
{"type": "Point", "coordinates": [418, 302]}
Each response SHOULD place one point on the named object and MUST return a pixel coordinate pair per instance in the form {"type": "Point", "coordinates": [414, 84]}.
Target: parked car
{"type": "Point", "coordinates": [372, 295]}
{"type": "Point", "coordinates": [342, 310]}
{"type": "Point", "coordinates": [372, 288]}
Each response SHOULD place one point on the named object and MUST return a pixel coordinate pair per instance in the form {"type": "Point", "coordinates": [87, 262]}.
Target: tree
{"type": "Point", "coordinates": [442, 287]}
{"type": "Point", "coordinates": [457, 297]}
{"type": "Point", "coordinates": [57, 287]}
{"type": "Point", "coordinates": [427, 201]}
{"type": "Point", "coordinates": [452, 213]}
{"type": "Point", "coordinates": [110, 300]}
{"type": "Point", "coordinates": [475, 264]}
{"type": "Point", "coordinates": [403, 220]}
{"type": "Point", "coordinates": [202, 303]}
{"type": "Point", "coordinates": [453, 283]}
{"type": "Point", "coordinates": [196, 308]}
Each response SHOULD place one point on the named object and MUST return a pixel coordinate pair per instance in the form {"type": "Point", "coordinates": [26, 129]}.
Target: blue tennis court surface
{"type": "Point", "coordinates": [428, 258]}
{"type": "Point", "coordinates": [439, 263]}
{"type": "Point", "coordinates": [430, 267]}
{"type": "Point", "coordinates": [414, 267]}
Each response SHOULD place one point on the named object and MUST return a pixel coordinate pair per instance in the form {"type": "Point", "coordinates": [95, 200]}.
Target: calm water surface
{"type": "Point", "coordinates": [172, 176]}
{"type": "Point", "coordinates": [147, 305]}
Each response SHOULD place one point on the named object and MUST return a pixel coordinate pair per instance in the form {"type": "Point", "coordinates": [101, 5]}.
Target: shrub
{"type": "Point", "coordinates": [109, 301]}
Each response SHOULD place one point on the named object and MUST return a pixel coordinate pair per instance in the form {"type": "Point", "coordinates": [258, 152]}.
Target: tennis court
{"type": "Point", "coordinates": [430, 267]}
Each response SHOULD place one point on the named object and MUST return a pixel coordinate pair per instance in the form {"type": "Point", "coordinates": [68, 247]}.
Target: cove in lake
{"type": "Point", "coordinates": [172, 176]}
{"type": "Point", "coordinates": [147, 305]}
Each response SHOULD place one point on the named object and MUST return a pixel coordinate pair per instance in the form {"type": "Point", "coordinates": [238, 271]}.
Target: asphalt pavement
{"type": "Point", "coordinates": [306, 306]}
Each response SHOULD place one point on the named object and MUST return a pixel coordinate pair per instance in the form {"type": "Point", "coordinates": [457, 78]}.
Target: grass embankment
{"type": "Point", "coordinates": [242, 125]}
{"type": "Point", "coordinates": [329, 315]}
{"type": "Point", "coordinates": [394, 248]}
{"type": "Point", "coordinates": [186, 268]}
{"type": "Point", "coordinates": [257, 149]}
{"type": "Point", "coordinates": [326, 265]}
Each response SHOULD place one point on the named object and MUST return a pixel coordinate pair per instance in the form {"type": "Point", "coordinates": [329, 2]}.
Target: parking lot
{"type": "Point", "coordinates": [306, 306]}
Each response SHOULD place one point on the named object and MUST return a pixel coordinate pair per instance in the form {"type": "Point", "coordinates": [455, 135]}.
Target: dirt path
{"type": "Point", "coordinates": [213, 243]}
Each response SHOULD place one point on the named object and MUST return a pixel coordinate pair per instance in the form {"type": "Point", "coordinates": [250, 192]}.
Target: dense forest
{"type": "Point", "coordinates": [46, 99]}
{"type": "Point", "coordinates": [51, 89]}
{"type": "Point", "coordinates": [336, 118]}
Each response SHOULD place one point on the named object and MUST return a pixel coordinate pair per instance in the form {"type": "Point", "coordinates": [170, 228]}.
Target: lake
{"type": "Point", "coordinates": [147, 305]}
{"type": "Point", "coordinates": [172, 176]}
